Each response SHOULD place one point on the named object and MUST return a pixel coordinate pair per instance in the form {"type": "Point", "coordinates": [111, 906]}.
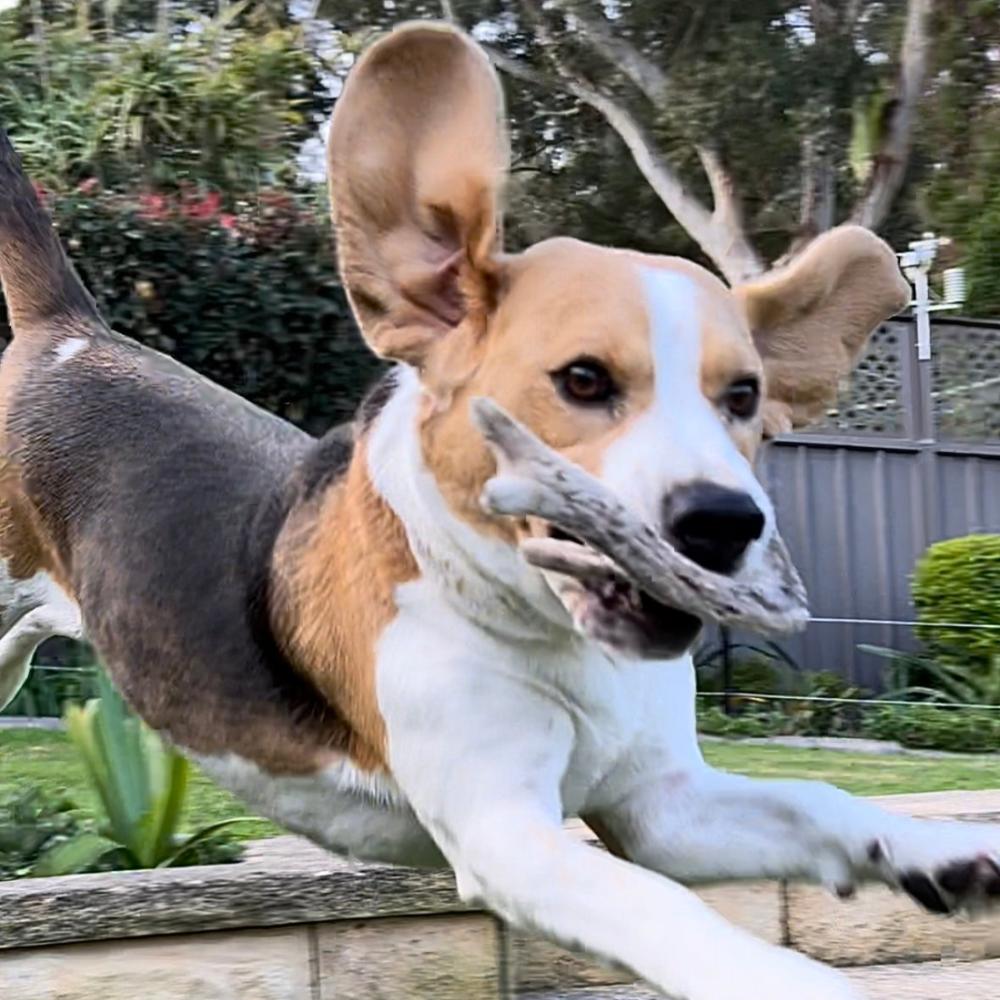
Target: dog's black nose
{"type": "Point", "coordinates": [712, 525]}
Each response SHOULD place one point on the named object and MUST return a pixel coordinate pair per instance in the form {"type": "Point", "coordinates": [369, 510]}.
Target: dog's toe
{"type": "Point", "coordinates": [922, 888]}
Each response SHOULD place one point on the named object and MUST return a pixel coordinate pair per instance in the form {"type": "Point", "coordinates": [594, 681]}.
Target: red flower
{"type": "Point", "coordinates": [153, 206]}
{"type": "Point", "coordinates": [89, 186]}
{"type": "Point", "coordinates": [228, 221]}
{"type": "Point", "coordinates": [204, 208]}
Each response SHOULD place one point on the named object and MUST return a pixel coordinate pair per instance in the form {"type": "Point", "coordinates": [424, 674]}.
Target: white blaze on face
{"type": "Point", "coordinates": [681, 437]}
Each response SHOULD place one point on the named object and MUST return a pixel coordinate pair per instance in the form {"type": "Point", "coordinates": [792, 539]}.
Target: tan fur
{"type": "Point", "coordinates": [24, 545]}
{"type": "Point", "coordinates": [337, 564]}
{"type": "Point", "coordinates": [812, 319]}
{"type": "Point", "coordinates": [418, 193]}
{"type": "Point", "coordinates": [589, 302]}
{"type": "Point", "coordinates": [415, 209]}
{"type": "Point", "coordinates": [21, 536]}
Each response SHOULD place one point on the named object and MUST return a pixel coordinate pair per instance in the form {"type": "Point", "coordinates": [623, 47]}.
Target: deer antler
{"type": "Point", "coordinates": [533, 480]}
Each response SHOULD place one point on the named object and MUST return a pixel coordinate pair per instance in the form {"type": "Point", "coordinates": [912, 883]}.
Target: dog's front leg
{"type": "Point", "coordinates": [698, 825]}
{"type": "Point", "coordinates": [481, 756]}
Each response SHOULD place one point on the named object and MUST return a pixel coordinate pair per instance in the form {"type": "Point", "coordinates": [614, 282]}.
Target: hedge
{"type": "Point", "coordinates": [958, 580]}
{"type": "Point", "coordinates": [250, 299]}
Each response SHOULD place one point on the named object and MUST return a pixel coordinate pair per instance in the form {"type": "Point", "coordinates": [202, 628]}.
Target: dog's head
{"type": "Point", "coordinates": [647, 371]}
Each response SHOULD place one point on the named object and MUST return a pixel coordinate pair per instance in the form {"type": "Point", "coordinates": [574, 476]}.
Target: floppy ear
{"type": "Point", "coordinates": [417, 157]}
{"type": "Point", "coordinates": [811, 319]}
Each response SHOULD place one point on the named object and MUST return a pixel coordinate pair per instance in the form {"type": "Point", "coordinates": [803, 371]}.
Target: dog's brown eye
{"type": "Point", "coordinates": [586, 381]}
{"type": "Point", "coordinates": [742, 398]}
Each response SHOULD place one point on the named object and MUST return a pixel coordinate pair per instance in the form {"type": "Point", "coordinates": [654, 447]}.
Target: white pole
{"type": "Point", "coordinates": [921, 308]}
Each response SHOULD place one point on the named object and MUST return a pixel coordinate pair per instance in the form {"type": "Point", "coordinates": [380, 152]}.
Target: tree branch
{"type": "Point", "coordinates": [727, 206]}
{"type": "Point", "coordinates": [643, 72]}
{"type": "Point", "coordinates": [723, 242]}
{"type": "Point", "coordinates": [892, 156]}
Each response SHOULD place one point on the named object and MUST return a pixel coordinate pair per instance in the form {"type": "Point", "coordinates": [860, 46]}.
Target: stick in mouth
{"type": "Point", "coordinates": [619, 550]}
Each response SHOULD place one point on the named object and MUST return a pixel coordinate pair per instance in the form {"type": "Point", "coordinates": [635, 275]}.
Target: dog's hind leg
{"type": "Point", "coordinates": [35, 610]}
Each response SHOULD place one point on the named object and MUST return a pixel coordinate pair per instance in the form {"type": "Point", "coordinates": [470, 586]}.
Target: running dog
{"type": "Point", "coordinates": [340, 632]}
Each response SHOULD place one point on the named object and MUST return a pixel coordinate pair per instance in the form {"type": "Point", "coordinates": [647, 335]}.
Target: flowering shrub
{"type": "Point", "coordinates": [249, 296]}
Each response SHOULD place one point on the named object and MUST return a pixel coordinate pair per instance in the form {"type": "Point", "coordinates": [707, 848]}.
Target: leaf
{"type": "Point", "coordinates": [204, 834]}
{"type": "Point", "coordinates": [73, 856]}
{"type": "Point", "coordinates": [170, 806]}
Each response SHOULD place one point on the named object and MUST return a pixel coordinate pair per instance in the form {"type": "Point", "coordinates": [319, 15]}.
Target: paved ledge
{"type": "Point", "coordinates": [879, 926]}
{"type": "Point", "coordinates": [281, 881]}
{"type": "Point", "coordinates": [30, 722]}
{"type": "Point", "coordinates": [843, 744]}
{"type": "Point", "coordinates": [925, 981]}
{"type": "Point", "coordinates": [287, 881]}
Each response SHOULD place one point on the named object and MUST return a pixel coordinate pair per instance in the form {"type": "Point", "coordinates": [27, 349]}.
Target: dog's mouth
{"type": "Point", "coordinates": [618, 615]}
{"type": "Point", "coordinates": [622, 582]}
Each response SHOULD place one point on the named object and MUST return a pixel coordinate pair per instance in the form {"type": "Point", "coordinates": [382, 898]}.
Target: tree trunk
{"type": "Point", "coordinates": [893, 153]}
{"type": "Point", "coordinates": [163, 18]}
{"type": "Point", "coordinates": [39, 35]}
{"type": "Point", "coordinates": [817, 202]}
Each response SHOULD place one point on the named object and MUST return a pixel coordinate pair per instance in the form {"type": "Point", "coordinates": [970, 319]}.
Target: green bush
{"type": "Point", "coordinates": [249, 298]}
{"type": "Point", "coordinates": [32, 823]}
{"type": "Point", "coordinates": [713, 721]}
{"type": "Point", "coordinates": [933, 727]}
{"type": "Point", "coordinates": [47, 691]}
{"type": "Point", "coordinates": [826, 718]}
{"type": "Point", "coordinates": [958, 580]}
{"type": "Point", "coordinates": [756, 674]}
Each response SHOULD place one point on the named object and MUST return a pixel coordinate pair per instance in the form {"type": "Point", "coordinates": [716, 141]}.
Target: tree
{"type": "Point", "coordinates": [958, 144]}
{"type": "Point", "coordinates": [159, 97]}
{"type": "Point", "coordinates": [737, 114]}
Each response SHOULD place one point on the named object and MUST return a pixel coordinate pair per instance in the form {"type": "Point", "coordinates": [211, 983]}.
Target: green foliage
{"type": "Point", "coordinates": [933, 727]}
{"type": "Point", "coordinates": [713, 721]}
{"type": "Point", "coordinates": [213, 102]}
{"type": "Point", "coordinates": [841, 716]}
{"type": "Point", "coordinates": [755, 673]}
{"type": "Point", "coordinates": [47, 692]}
{"type": "Point", "coordinates": [953, 681]}
{"type": "Point", "coordinates": [837, 717]}
{"type": "Point", "coordinates": [762, 668]}
{"type": "Point", "coordinates": [249, 298]}
{"type": "Point", "coordinates": [983, 238]}
{"type": "Point", "coordinates": [917, 726]}
{"type": "Point", "coordinates": [142, 787]}
{"type": "Point", "coordinates": [33, 823]}
{"type": "Point", "coordinates": [760, 82]}
{"type": "Point", "coordinates": [958, 580]}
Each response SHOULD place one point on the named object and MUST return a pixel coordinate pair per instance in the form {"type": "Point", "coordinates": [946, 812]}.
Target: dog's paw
{"type": "Point", "coordinates": [945, 867]}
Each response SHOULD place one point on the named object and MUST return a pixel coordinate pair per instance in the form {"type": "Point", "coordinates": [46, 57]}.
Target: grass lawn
{"type": "Point", "coordinates": [46, 759]}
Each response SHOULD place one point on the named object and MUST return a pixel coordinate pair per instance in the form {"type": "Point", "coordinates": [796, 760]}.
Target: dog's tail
{"type": "Point", "coordinates": [39, 283]}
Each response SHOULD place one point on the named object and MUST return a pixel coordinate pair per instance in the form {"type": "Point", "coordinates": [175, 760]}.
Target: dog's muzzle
{"type": "Point", "coordinates": [623, 583]}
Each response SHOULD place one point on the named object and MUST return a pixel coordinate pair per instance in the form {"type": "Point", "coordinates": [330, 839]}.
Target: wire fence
{"type": "Point", "coordinates": [727, 696]}
{"type": "Point", "coordinates": [830, 699]}
{"type": "Point", "coordinates": [904, 623]}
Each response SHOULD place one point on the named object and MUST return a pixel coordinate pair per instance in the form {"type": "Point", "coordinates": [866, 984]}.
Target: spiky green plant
{"type": "Point", "coordinates": [141, 785]}
{"type": "Point", "coordinates": [945, 681]}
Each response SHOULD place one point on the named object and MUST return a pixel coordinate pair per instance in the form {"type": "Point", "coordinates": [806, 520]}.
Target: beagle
{"type": "Point", "coordinates": [338, 631]}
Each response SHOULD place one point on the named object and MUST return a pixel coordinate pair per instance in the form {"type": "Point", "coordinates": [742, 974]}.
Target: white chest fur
{"type": "Point", "coordinates": [482, 644]}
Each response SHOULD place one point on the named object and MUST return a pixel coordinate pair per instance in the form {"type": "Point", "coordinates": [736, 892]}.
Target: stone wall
{"type": "Point", "coordinates": [293, 923]}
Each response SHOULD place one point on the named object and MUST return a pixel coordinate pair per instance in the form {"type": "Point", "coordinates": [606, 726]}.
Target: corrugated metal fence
{"type": "Point", "coordinates": [909, 456]}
